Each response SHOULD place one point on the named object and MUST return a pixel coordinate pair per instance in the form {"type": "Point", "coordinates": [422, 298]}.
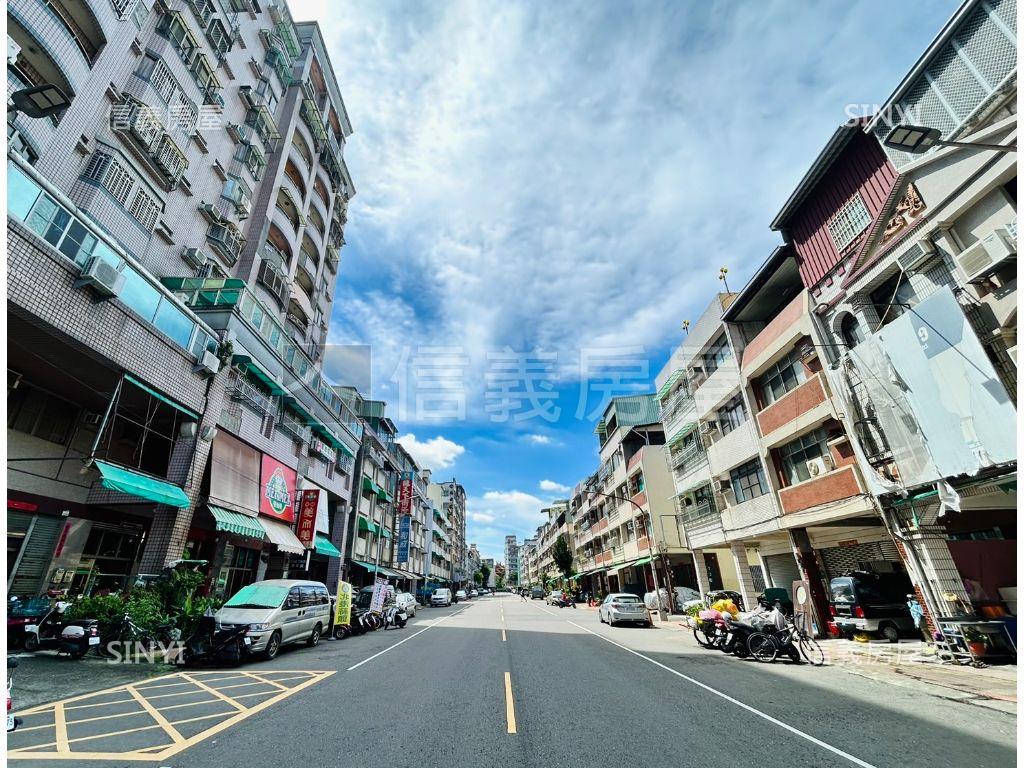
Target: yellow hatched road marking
{"type": "Point", "coordinates": [218, 694]}
{"type": "Point", "coordinates": [268, 682]}
{"type": "Point", "coordinates": [61, 728]}
{"type": "Point", "coordinates": [510, 706]}
{"type": "Point", "coordinates": [162, 721]}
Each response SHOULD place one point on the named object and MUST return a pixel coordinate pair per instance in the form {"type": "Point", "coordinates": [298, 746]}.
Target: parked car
{"type": "Point", "coordinates": [405, 601]}
{"type": "Point", "coordinates": [461, 595]}
{"type": "Point", "coordinates": [619, 607]}
{"type": "Point", "coordinates": [553, 596]}
{"type": "Point", "coordinates": [473, 593]}
{"type": "Point", "coordinates": [441, 596]}
{"type": "Point", "coordinates": [537, 593]}
{"type": "Point", "coordinates": [278, 612]}
{"type": "Point", "coordinates": [865, 601]}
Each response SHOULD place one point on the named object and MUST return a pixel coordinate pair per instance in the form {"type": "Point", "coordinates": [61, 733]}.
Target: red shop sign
{"type": "Point", "coordinates": [306, 529]}
{"type": "Point", "coordinates": [277, 490]}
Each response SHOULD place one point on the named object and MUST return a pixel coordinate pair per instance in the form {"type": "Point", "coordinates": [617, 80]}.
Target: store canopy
{"type": "Point", "coordinates": [323, 546]}
{"type": "Point", "coordinates": [118, 478]}
{"type": "Point", "coordinates": [281, 536]}
{"type": "Point", "coordinates": [380, 569]}
{"type": "Point", "coordinates": [236, 522]}
{"type": "Point", "coordinates": [365, 524]}
{"type": "Point", "coordinates": [162, 398]}
{"type": "Point", "coordinates": [641, 561]}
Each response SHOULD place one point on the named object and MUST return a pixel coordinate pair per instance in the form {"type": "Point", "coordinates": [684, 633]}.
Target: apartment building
{"type": "Point", "coordinates": [169, 280]}
{"type": "Point", "coordinates": [529, 572]}
{"type": "Point", "coordinates": [627, 537]}
{"type": "Point", "coordinates": [454, 504]}
{"type": "Point", "coordinates": [920, 281]}
{"type": "Point", "coordinates": [557, 524]}
{"type": "Point", "coordinates": [411, 535]}
{"type": "Point", "coordinates": [489, 562]}
{"type": "Point", "coordinates": [511, 561]}
{"type": "Point", "coordinates": [472, 561]}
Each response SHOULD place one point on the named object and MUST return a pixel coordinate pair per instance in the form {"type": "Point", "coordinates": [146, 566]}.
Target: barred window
{"type": "Point", "coordinates": [122, 7]}
{"type": "Point", "coordinates": [163, 81]}
{"type": "Point", "coordinates": [184, 114]}
{"type": "Point", "coordinates": [117, 181]}
{"type": "Point", "coordinates": [748, 481]}
{"type": "Point", "coordinates": [145, 209]}
{"type": "Point", "coordinates": [731, 415]}
{"type": "Point", "coordinates": [218, 36]}
{"type": "Point", "coordinates": [140, 14]}
{"type": "Point", "coordinates": [852, 219]}
{"type": "Point", "coordinates": [797, 453]}
{"type": "Point", "coordinates": [97, 167]}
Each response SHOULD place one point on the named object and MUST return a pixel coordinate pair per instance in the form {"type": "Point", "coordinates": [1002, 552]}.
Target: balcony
{"type": "Point", "coordinates": [732, 448]}
{"type": "Point", "coordinates": [751, 517]}
{"type": "Point", "coordinates": [795, 411]}
{"type": "Point", "coordinates": [293, 426]}
{"type": "Point", "coordinates": [254, 397]}
{"type": "Point", "coordinates": [227, 240]}
{"type": "Point", "coordinates": [718, 387]}
{"type": "Point", "coordinates": [782, 332]}
{"type": "Point", "coordinates": [834, 486]}
{"type": "Point", "coordinates": [272, 277]}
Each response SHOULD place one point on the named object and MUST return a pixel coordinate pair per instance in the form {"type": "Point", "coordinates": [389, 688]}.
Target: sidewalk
{"type": "Point", "coordinates": [913, 662]}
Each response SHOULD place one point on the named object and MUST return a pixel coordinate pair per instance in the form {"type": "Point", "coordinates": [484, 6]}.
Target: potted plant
{"type": "Point", "coordinates": [977, 644]}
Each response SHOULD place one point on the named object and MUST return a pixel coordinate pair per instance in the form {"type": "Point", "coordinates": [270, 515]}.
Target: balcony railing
{"type": "Point", "coordinates": [247, 392]}
{"type": "Point", "coordinates": [701, 510]}
{"type": "Point", "coordinates": [293, 426]}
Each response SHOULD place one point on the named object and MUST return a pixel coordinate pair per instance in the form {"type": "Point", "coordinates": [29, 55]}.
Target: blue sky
{"type": "Point", "coordinates": [565, 179]}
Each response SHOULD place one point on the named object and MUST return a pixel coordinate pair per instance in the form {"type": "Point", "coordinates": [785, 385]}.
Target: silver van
{"type": "Point", "coordinates": [278, 612]}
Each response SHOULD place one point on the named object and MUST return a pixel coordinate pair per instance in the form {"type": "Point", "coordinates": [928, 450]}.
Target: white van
{"type": "Point", "coordinates": [278, 612]}
{"type": "Point", "coordinates": [441, 596]}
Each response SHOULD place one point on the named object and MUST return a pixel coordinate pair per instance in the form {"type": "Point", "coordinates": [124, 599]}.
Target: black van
{"type": "Point", "coordinates": [865, 601]}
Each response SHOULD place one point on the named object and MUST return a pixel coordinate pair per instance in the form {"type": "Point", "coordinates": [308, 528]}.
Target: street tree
{"type": "Point", "coordinates": [486, 571]}
{"type": "Point", "coordinates": [563, 557]}
{"type": "Point", "coordinates": [478, 577]}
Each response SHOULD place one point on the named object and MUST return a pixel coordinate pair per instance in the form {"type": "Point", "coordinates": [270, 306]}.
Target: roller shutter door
{"type": "Point", "coordinates": [839, 561]}
{"type": "Point", "coordinates": [37, 550]}
{"type": "Point", "coordinates": [782, 570]}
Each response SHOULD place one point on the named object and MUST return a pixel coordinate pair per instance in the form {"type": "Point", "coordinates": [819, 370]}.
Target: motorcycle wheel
{"type": "Point", "coordinates": [31, 642]}
{"type": "Point", "coordinates": [77, 653]}
{"type": "Point", "coordinates": [703, 639]}
{"type": "Point", "coordinates": [339, 633]}
{"type": "Point", "coordinates": [762, 647]}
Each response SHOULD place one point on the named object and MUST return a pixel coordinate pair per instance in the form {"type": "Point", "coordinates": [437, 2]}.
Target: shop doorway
{"type": "Point", "coordinates": [714, 572]}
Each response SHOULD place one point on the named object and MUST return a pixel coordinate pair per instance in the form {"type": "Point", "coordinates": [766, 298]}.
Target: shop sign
{"type": "Point", "coordinates": [379, 591]}
{"type": "Point", "coordinates": [405, 494]}
{"type": "Point", "coordinates": [343, 607]}
{"type": "Point", "coordinates": [306, 529]}
{"type": "Point", "coordinates": [24, 506]}
{"type": "Point", "coordinates": [277, 490]}
{"type": "Point", "coordinates": [404, 531]}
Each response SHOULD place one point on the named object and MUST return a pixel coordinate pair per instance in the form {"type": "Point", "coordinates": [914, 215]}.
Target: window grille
{"type": "Point", "coordinates": [852, 219]}
{"type": "Point", "coordinates": [145, 209]}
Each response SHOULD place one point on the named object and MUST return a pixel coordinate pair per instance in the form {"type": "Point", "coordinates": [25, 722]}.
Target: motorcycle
{"type": "Point", "coordinates": [75, 637]}
{"type": "Point", "coordinates": [394, 616]}
{"type": "Point", "coordinates": [212, 642]}
{"type": "Point", "coordinates": [736, 635]}
{"type": "Point", "coordinates": [565, 601]}
{"type": "Point", "coordinates": [12, 721]}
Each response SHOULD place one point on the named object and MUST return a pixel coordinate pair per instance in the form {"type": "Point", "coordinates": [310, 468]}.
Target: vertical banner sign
{"type": "Point", "coordinates": [343, 607]}
{"type": "Point", "coordinates": [405, 494]}
{"type": "Point", "coordinates": [404, 530]}
{"type": "Point", "coordinates": [277, 490]}
{"type": "Point", "coordinates": [306, 529]}
{"type": "Point", "coordinates": [377, 601]}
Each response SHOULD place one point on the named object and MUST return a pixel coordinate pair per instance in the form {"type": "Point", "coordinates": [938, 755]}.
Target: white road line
{"type": "Point", "coordinates": [410, 637]}
{"type": "Point", "coordinates": [737, 702]}
{"type": "Point", "coordinates": [730, 699]}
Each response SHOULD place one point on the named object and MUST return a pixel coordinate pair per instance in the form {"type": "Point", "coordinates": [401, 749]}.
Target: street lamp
{"type": "Point", "coordinates": [916, 140]}
{"type": "Point", "coordinates": [39, 101]}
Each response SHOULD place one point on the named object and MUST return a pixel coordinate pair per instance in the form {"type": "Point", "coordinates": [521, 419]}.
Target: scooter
{"type": "Point", "coordinates": [12, 721]}
{"type": "Point", "coordinates": [213, 642]}
{"type": "Point", "coordinates": [565, 601]}
{"type": "Point", "coordinates": [394, 616]}
{"type": "Point", "coordinates": [75, 637]}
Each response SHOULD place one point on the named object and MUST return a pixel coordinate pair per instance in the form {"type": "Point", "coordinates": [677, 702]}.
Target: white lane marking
{"type": "Point", "coordinates": [407, 639]}
{"type": "Point", "coordinates": [727, 697]}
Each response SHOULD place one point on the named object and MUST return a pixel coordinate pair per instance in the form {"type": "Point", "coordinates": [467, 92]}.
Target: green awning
{"type": "Point", "coordinates": [367, 525]}
{"type": "Point", "coordinates": [162, 398]}
{"type": "Point", "coordinates": [671, 380]}
{"type": "Point", "coordinates": [118, 478]}
{"type": "Point", "coordinates": [386, 532]}
{"type": "Point", "coordinates": [251, 366]}
{"type": "Point", "coordinates": [369, 485]}
{"type": "Point", "coordinates": [323, 546]}
{"type": "Point", "coordinates": [383, 495]}
{"type": "Point", "coordinates": [235, 522]}
{"type": "Point", "coordinates": [328, 436]}
{"type": "Point", "coordinates": [378, 569]}
{"type": "Point", "coordinates": [307, 417]}
{"type": "Point", "coordinates": [683, 432]}
{"type": "Point", "coordinates": [642, 561]}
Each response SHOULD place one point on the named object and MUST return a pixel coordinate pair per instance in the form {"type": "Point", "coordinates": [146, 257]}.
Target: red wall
{"type": "Point", "coordinates": [992, 563]}
{"type": "Point", "coordinates": [862, 167]}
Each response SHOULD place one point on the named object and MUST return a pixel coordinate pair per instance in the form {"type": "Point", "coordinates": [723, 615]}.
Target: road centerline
{"type": "Point", "coordinates": [510, 705]}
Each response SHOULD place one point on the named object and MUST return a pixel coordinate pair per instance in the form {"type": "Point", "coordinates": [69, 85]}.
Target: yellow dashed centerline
{"type": "Point", "coordinates": [510, 705]}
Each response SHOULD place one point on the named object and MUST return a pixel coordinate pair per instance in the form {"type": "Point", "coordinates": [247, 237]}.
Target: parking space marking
{"type": "Point", "coordinates": [52, 736]}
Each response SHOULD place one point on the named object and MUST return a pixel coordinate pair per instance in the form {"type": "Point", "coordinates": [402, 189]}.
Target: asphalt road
{"type": "Point", "coordinates": [500, 682]}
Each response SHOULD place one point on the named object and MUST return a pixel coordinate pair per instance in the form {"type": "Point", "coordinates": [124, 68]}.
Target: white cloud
{"type": "Point", "coordinates": [435, 454]}
{"type": "Point", "coordinates": [482, 517]}
{"type": "Point", "coordinates": [539, 439]}
{"type": "Point", "coordinates": [552, 487]}
{"type": "Point", "coordinates": [526, 171]}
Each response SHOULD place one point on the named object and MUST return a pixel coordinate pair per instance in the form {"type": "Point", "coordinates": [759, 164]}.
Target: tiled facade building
{"type": "Point", "coordinates": [174, 239]}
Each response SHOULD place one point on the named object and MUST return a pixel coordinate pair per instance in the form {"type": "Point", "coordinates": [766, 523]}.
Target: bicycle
{"type": "Point", "coordinates": [766, 644]}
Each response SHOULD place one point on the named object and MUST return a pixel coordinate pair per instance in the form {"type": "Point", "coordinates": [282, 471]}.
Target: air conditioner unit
{"type": "Point", "coordinates": [819, 466]}
{"type": "Point", "coordinates": [90, 419]}
{"type": "Point", "coordinates": [724, 486]}
{"type": "Point", "coordinates": [209, 362]}
{"type": "Point", "coordinates": [707, 427]}
{"type": "Point", "coordinates": [102, 276]}
{"type": "Point", "coordinates": [194, 256]}
{"type": "Point", "coordinates": [917, 255]}
{"type": "Point", "coordinates": [982, 258]}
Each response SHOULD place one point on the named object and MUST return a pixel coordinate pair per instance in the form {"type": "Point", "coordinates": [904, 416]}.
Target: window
{"type": "Point", "coordinates": [781, 377]}
{"type": "Point", "coordinates": [731, 415]}
{"type": "Point", "coordinates": [892, 297]}
{"type": "Point", "coordinates": [796, 454]}
{"type": "Point", "coordinates": [717, 354]}
{"type": "Point", "coordinates": [851, 331]}
{"type": "Point", "coordinates": [145, 209]}
{"type": "Point", "coordinates": [219, 37]}
{"type": "Point", "coordinates": [238, 192]}
{"type": "Point", "coordinates": [108, 171]}
{"type": "Point", "coordinates": [253, 159]}
{"type": "Point", "coordinates": [184, 114]}
{"type": "Point", "coordinates": [852, 219]}
{"type": "Point", "coordinates": [140, 14]}
{"type": "Point", "coordinates": [32, 411]}
{"type": "Point", "coordinates": [172, 27]}
{"type": "Point", "coordinates": [748, 481]}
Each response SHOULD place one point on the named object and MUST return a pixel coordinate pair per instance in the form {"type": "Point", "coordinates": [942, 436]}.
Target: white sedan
{"type": "Point", "coordinates": [407, 601]}
{"type": "Point", "coordinates": [622, 606]}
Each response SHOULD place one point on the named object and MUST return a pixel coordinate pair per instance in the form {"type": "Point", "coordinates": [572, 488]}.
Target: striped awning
{"type": "Point", "coordinates": [281, 536]}
{"type": "Point", "coordinates": [235, 522]}
{"type": "Point", "coordinates": [676, 374]}
{"type": "Point", "coordinates": [683, 432]}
